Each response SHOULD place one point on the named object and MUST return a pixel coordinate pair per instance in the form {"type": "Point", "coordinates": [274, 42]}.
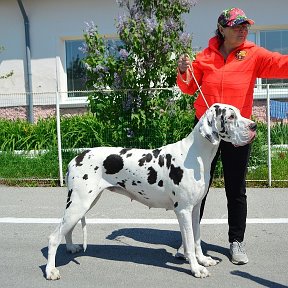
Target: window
{"type": "Point", "coordinates": [276, 41]}
{"type": "Point", "coordinates": [76, 73]}
{"type": "Point", "coordinates": [273, 40]}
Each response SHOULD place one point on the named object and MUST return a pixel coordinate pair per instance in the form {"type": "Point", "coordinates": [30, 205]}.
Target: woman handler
{"type": "Point", "coordinates": [226, 71]}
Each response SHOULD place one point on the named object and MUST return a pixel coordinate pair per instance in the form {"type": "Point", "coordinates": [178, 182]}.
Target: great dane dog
{"type": "Point", "coordinates": [174, 177]}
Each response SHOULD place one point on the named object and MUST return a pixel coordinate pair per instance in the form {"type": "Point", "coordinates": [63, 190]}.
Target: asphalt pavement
{"type": "Point", "coordinates": [130, 245]}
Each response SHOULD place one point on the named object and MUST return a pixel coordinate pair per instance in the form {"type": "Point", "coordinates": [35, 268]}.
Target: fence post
{"type": "Point", "coordinates": [269, 136]}
{"type": "Point", "coordinates": [59, 143]}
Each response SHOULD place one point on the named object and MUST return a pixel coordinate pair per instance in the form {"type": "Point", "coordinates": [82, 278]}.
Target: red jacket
{"type": "Point", "coordinates": [232, 82]}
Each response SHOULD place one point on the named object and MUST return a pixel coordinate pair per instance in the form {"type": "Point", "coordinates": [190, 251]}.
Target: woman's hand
{"type": "Point", "coordinates": [183, 63]}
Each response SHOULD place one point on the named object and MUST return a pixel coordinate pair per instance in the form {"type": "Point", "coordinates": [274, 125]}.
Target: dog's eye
{"type": "Point", "coordinates": [231, 117]}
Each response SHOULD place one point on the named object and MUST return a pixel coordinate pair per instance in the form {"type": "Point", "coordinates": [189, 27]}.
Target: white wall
{"type": "Point", "coordinates": [51, 22]}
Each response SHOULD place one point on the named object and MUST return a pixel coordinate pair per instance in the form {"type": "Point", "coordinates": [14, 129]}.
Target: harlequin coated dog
{"type": "Point", "coordinates": [174, 177]}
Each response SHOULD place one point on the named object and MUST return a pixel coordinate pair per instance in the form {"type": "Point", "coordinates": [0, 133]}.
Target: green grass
{"type": "Point", "coordinates": [43, 170]}
{"type": "Point", "coordinates": [32, 171]}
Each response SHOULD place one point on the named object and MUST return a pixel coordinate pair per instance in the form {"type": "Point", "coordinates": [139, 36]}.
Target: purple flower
{"type": "Point", "coordinates": [100, 68]}
{"type": "Point", "coordinates": [151, 24]}
{"type": "Point", "coordinates": [83, 48]}
{"type": "Point", "coordinates": [123, 54]}
{"type": "Point", "coordinates": [122, 20]}
{"type": "Point", "coordinates": [186, 4]}
{"type": "Point", "coordinates": [170, 25]}
{"type": "Point", "coordinates": [166, 48]}
{"type": "Point", "coordinates": [117, 80]}
{"type": "Point", "coordinates": [185, 39]}
{"type": "Point", "coordinates": [91, 28]}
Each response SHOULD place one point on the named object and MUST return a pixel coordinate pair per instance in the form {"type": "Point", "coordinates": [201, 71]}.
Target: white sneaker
{"type": "Point", "coordinates": [238, 254]}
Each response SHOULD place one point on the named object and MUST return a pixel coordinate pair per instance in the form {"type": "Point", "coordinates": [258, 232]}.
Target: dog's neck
{"type": "Point", "coordinates": [198, 146]}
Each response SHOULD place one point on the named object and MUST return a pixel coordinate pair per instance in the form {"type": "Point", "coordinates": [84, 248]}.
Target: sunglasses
{"type": "Point", "coordinates": [238, 28]}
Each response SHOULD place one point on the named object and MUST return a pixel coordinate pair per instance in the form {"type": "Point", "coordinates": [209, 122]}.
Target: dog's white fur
{"type": "Point", "coordinates": [174, 177]}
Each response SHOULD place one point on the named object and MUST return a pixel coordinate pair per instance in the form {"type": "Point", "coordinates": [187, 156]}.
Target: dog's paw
{"type": "Point", "coordinates": [200, 272]}
{"type": "Point", "coordinates": [73, 248]}
{"type": "Point", "coordinates": [53, 274]}
{"type": "Point", "coordinates": [207, 261]}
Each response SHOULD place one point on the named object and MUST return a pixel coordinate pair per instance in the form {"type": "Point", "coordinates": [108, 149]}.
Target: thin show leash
{"type": "Point", "coordinates": [190, 77]}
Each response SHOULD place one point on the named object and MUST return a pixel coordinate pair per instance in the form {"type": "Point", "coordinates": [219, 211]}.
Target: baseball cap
{"type": "Point", "coordinates": [233, 16]}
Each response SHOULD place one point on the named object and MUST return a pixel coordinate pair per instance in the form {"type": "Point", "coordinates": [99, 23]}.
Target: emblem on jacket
{"type": "Point", "coordinates": [240, 55]}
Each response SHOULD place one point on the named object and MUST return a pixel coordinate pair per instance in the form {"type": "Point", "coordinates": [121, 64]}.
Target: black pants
{"type": "Point", "coordinates": [235, 162]}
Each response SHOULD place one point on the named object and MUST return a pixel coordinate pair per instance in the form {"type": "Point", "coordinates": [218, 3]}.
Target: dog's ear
{"type": "Point", "coordinates": [208, 128]}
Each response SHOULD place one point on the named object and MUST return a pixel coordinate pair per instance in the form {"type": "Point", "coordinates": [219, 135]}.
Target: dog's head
{"type": "Point", "coordinates": [222, 121]}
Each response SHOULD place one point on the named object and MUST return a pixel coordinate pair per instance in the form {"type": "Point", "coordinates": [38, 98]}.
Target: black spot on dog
{"type": "Point", "coordinates": [80, 158]}
{"type": "Point", "coordinates": [68, 198]}
{"type": "Point", "coordinates": [209, 137]}
{"type": "Point", "coordinates": [85, 177]}
{"type": "Point", "coordinates": [134, 183]}
{"type": "Point", "coordinates": [152, 175]}
{"type": "Point", "coordinates": [176, 174]}
{"type": "Point", "coordinates": [173, 192]}
{"type": "Point", "coordinates": [122, 184]}
{"type": "Point", "coordinates": [90, 191]}
{"type": "Point", "coordinates": [124, 151]}
{"type": "Point", "coordinates": [146, 158]}
{"type": "Point", "coordinates": [96, 168]}
{"type": "Point", "coordinates": [129, 155]}
{"type": "Point", "coordinates": [156, 152]}
{"type": "Point", "coordinates": [175, 204]}
{"type": "Point", "coordinates": [216, 135]}
{"type": "Point", "coordinates": [160, 183]}
{"type": "Point", "coordinates": [113, 164]}
{"type": "Point", "coordinates": [161, 160]}
{"type": "Point", "coordinates": [168, 158]}
{"type": "Point", "coordinates": [68, 204]}
{"type": "Point", "coordinates": [140, 193]}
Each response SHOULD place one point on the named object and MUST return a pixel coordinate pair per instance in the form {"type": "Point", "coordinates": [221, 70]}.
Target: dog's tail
{"type": "Point", "coordinates": [84, 228]}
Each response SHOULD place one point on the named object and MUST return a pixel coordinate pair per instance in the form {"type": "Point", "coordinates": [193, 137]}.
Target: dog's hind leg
{"type": "Point", "coordinates": [74, 248]}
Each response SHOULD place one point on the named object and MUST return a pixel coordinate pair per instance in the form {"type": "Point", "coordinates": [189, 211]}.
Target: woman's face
{"type": "Point", "coordinates": [236, 35]}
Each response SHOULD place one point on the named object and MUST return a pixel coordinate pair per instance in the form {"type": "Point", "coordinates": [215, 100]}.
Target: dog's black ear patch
{"type": "Point", "coordinates": [113, 164]}
{"type": "Point", "coordinates": [80, 158]}
{"type": "Point", "coordinates": [152, 175]}
{"type": "Point", "coordinates": [176, 174]}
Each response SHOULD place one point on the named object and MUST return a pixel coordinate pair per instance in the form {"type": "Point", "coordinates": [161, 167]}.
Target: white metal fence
{"type": "Point", "coordinates": [270, 107]}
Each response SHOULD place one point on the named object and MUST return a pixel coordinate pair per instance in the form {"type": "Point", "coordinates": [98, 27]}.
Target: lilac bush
{"type": "Point", "coordinates": [152, 36]}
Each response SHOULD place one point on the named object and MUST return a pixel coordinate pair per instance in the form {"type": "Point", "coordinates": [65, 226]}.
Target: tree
{"type": "Point", "coordinates": [151, 37]}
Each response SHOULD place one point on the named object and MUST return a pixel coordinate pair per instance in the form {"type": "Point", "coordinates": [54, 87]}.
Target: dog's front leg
{"type": "Point", "coordinates": [184, 217]}
{"type": "Point", "coordinates": [202, 259]}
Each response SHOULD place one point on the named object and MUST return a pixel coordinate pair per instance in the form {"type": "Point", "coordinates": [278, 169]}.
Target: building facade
{"type": "Point", "coordinates": [56, 31]}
